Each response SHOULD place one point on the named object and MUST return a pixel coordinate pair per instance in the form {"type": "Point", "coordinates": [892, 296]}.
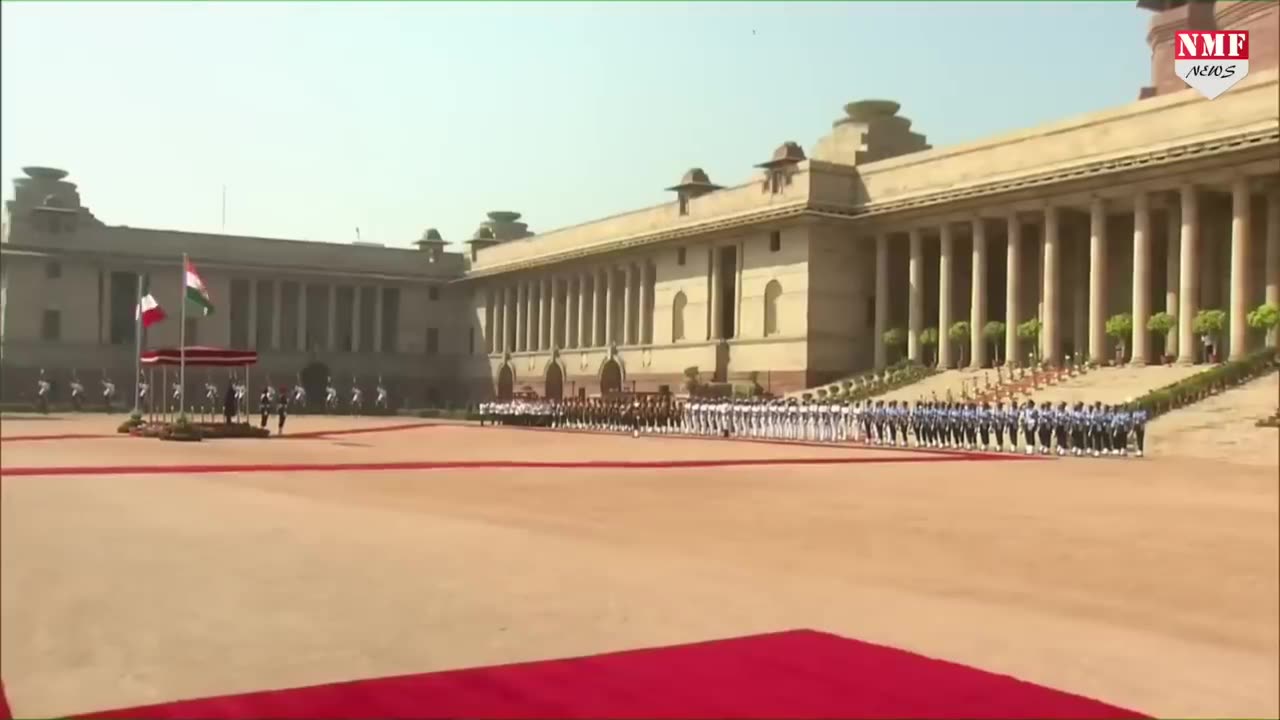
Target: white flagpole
{"type": "Point", "coordinates": [137, 355]}
{"type": "Point", "coordinates": [182, 342]}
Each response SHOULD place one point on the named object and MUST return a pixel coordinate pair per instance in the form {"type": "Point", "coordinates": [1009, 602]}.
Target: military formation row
{"type": "Point", "coordinates": [1094, 430]}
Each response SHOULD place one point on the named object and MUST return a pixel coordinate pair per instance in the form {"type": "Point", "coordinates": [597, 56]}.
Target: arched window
{"type": "Point", "coordinates": [771, 293]}
{"type": "Point", "coordinates": [677, 317]}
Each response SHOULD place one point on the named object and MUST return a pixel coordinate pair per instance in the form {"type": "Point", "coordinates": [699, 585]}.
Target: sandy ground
{"type": "Point", "coordinates": [1151, 584]}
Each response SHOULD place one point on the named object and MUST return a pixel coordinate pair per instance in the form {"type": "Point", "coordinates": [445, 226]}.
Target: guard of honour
{"type": "Point", "coordinates": [1080, 430]}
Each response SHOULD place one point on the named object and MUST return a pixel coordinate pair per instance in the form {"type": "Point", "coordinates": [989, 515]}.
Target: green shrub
{"type": "Point", "coordinates": [1205, 383]}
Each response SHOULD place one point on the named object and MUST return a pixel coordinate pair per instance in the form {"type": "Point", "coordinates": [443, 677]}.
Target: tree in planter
{"type": "Point", "coordinates": [1208, 324]}
{"type": "Point", "coordinates": [993, 332]}
{"type": "Point", "coordinates": [894, 339]}
{"type": "Point", "coordinates": [1120, 327]}
{"type": "Point", "coordinates": [929, 339]}
{"type": "Point", "coordinates": [1162, 323]}
{"type": "Point", "coordinates": [1266, 318]}
{"type": "Point", "coordinates": [692, 379]}
{"type": "Point", "coordinates": [959, 333]}
{"type": "Point", "coordinates": [1029, 331]}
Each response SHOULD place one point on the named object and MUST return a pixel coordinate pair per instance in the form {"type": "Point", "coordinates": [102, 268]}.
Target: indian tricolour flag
{"type": "Point", "coordinates": [196, 292]}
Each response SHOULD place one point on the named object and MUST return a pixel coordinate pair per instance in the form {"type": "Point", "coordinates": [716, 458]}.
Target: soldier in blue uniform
{"type": "Point", "coordinates": [984, 425]}
{"type": "Point", "coordinates": [1029, 416]}
{"type": "Point", "coordinates": [1138, 418]}
{"type": "Point", "coordinates": [1045, 425]}
{"type": "Point", "coordinates": [1097, 429]}
{"type": "Point", "coordinates": [1119, 431]}
{"type": "Point", "coordinates": [1079, 421]}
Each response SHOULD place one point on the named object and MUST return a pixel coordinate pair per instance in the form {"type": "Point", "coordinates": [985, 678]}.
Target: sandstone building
{"type": "Point", "coordinates": [1170, 203]}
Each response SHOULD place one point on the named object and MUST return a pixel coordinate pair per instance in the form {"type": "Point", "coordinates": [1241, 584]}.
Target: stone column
{"type": "Point", "coordinates": [1273, 245]}
{"type": "Point", "coordinates": [978, 297]}
{"type": "Point", "coordinates": [609, 336]}
{"type": "Point", "coordinates": [1097, 281]}
{"type": "Point", "coordinates": [584, 302]}
{"type": "Point", "coordinates": [377, 319]}
{"type": "Point", "coordinates": [495, 308]}
{"type": "Point", "coordinates": [1013, 282]}
{"type": "Point", "coordinates": [882, 300]}
{"type": "Point", "coordinates": [1172, 275]}
{"type": "Point", "coordinates": [915, 297]}
{"type": "Point", "coordinates": [302, 317]}
{"type": "Point", "coordinates": [559, 328]}
{"type": "Point", "coordinates": [546, 314]}
{"type": "Point", "coordinates": [628, 309]}
{"type": "Point", "coordinates": [646, 318]}
{"type": "Point", "coordinates": [514, 319]}
{"type": "Point", "coordinates": [717, 315]}
{"type": "Point", "coordinates": [530, 317]}
{"type": "Point", "coordinates": [1238, 323]}
{"type": "Point", "coordinates": [1050, 335]}
{"type": "Point", "coordinates": [946, 266]}
{"type": "Point", "coordinates": [1189, 274]}
{"type": "Point", "coordinates": [276, 308]}
{"type": "Point", "coordinates": [1076, 255]}
{"type": "Point", "coordinates": [599, 316]}
{"type": "Point", "coordinates": [332, 324]}
{"type": "Point", "coordinates": [253, 314]}
{"type": "Point", "coordinates": [551, 305]}
{"type": "Point", "coordinates": [355, 318]}
{"type": "Point", "coordinates": [1141, 277]}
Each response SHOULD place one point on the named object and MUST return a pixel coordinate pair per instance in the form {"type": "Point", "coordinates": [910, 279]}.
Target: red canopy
{"type": "Point", "coordinates": [200, 357]}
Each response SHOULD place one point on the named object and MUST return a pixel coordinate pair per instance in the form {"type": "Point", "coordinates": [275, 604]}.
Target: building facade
{"type": "Point", "coordinates": [788, 280]}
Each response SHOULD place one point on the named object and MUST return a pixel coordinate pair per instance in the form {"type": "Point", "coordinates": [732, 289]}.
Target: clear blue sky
{"type": "Point", "coordinates": [320, 118]}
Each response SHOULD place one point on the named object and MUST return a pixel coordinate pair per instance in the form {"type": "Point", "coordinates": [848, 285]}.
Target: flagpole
{"type": "Point", "coordinates": [182, 343]}
{"type": "Point", "coordinates": [137, 355]}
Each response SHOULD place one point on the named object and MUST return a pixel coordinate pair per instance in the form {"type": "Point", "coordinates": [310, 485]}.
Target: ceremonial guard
{"type": "Point", "coordinates": [1030, 416]}
{"type": "Point", "coordinates": [264, 405]}
{"type": "Point", "coordinates": [282, 410]}
{"type": "Point", "coordinates": [210, 398]}
{"type": "Point", "coordinates": [1138, 418]}
{"type": "Point", "coordinates": [144, 389]}
{"type": "Point", "coordinates": [1120, 431]}
{"type": "Point", "coordinates": [986, 423]}
{"type": "Point", "coordinates": [299, 393]}
{"type": "Point", "coordinates": [1097, 429]}
{"type": "Point", "coordinates": [77, 392]}
{"type": "Point", "coordinates": [330, 396]}
{"type": "Point", "coordinates": [108, 392]}
{"type": "Point", "coordinates": [381, 402]}
{"type": "Point", "coordinates": [1062, 429]}
{"type": "Point", "coordinates": [357, 397]}
{"type": "Point", "coordinates": [998, 425]}
{"type": "Point", "coordinates": [43, 387]}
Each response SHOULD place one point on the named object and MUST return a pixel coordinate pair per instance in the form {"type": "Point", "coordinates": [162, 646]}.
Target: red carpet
{"type": "Point", "coordinates": [798, 674]}
{"type": "Point", "coordinates": [477, 464]}
{"type": "Point", "coordinates": [4, 705]}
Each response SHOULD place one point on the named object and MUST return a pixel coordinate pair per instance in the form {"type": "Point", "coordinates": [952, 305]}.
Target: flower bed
{"type": "Point", "coordinates": [1210, 382]}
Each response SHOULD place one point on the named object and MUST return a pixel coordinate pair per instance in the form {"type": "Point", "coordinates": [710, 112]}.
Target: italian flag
{"type": "Point", "coordinates": [149, 311]}
{"type": "Point", "coordinates": [196, 293]}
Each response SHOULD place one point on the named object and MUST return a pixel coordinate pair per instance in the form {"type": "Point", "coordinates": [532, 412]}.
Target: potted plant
{"type": "Point", "coordinates": [1029, 331]}
{"type": "Point", "coordinates": [894, 339]}
{"type": "Point", "coordinates": [1266, 317]}
{"type": "Point", "coordinates": [959, 333]}
{"type": "Point", "coordinates": [929, 340]}
{"type": "Point", "coordinates": [1120, 328]}
{"type": "Point", "coordinates": [1208, 324]}
{"type": "Point", "coordinates": [1162, 323]}
{"type": "Point", "coordinates": [994, 332]}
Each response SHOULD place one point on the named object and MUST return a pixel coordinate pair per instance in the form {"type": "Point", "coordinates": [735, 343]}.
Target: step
{"type": "Point", "coordinates": [1223, 427]}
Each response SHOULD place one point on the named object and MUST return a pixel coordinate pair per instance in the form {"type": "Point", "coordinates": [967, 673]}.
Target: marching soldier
{"type": "Point", "coordinates": [1030, 417]}
{"type": "Point", "coordinates": [986, 422]}
{"type": "Point", "coordinates": [43, 388]}
{"type": "Point", "coordinates": [144, 390]}
{"type": "Point", "coordinates": [108, 391]}
{"type": "Point", "coordinates": [381, 402]}
{"type": "Point", "coordinates": [282, 410]}
{"type": "Point", "coordinates": [357, 397]}
{"type": "Point", "coordinates": [1062, 429]}
{"type": "Point", "coordinates": [998, 424]}
{"type": "Point", "coordinates": [1098, 429]}
{"type": "Point", "coordinates": [210, 397]}
{"type": "Point", "coordinates": [1119, 431]}
{"type": "Point", "coordinates": [330, 396]}
{"type": "Point", "coordinates": [77, 392]}
{"type": "Point", "coordinates": [264, 405]}
{"type": "Point", "coordinates": [299, 393]}
{"type": "Point", "coordinates": [1138, 418]}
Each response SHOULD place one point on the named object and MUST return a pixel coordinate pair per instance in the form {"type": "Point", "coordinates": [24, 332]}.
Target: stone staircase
{"type": "Point", "coordinates": [1107, 385]}
{"type": "Point", "coordinates": [1110, 385]}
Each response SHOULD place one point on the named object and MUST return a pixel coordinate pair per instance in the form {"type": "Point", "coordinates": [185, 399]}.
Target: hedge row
{"type": "Point", "coordinates": [1210, 382]}
{"type": "Point", "coordinates": [897, 376]}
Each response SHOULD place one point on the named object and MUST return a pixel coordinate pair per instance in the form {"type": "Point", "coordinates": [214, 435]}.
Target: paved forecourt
{"type": "Point", "coordinates": [361, 553]}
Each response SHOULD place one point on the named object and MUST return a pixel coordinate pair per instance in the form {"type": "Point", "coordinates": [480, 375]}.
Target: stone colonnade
{"type": "Point", "coordinates": [582, 308]}
{"type": "Point", "coordinates": [1182, 270]}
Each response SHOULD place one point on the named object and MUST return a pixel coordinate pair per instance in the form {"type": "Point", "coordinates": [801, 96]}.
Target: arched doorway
{"type": "Point", "coordinates": [315, 380]}
{"type": "Point", "coordinates": [555, 382]}
{"type": "Point", "coordinates": [610, 377]}
{"type": "Point", "coordinates": [506, 383]}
